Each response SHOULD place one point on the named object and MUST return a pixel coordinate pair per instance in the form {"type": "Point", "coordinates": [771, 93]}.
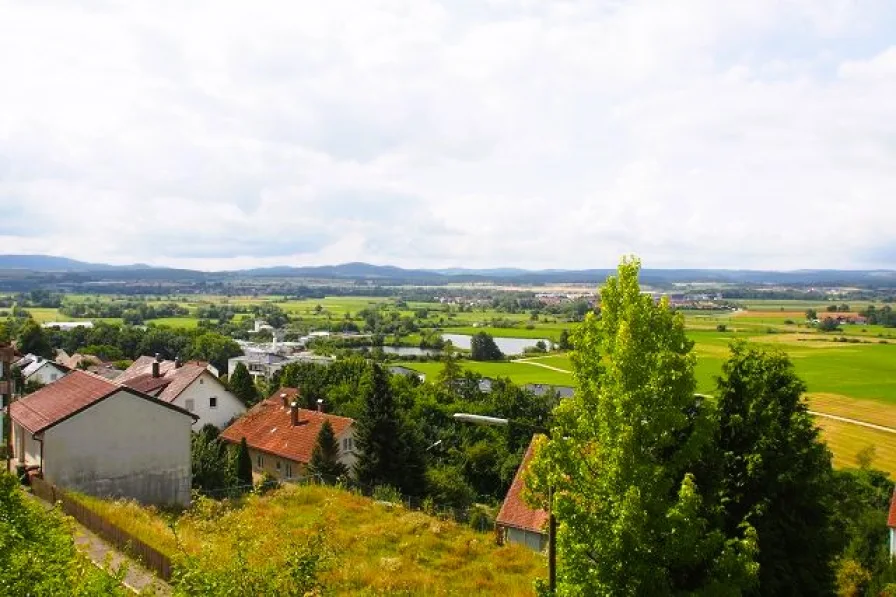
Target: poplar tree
{"type": "Point", "coordinates": [242, 385]}
{"type": "Point", "coordinates": [636, 506]}
{"type": "Point", "coordinates": [243, 464]}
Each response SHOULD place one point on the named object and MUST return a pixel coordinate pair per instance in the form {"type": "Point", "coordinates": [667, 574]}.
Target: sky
{"type": "Point", "coordinates": [465, 133]}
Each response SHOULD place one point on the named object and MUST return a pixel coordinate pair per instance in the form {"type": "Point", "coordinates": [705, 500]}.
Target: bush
{"type": "Point", "coordinates": [721, 328]}
{"type": "Point", "coordinates": [386, 493]}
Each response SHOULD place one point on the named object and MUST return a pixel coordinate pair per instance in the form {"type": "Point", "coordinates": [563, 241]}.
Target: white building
{"type": "Point", "coordinates": [517, 522]}
{"type": "Point", "coordinates": [94, 436]}
{"type": "Point", "coordinates": [191, 386]}
{"type": "Point", "coordinates": [39, 369]}
{"type": "Point", "coordinates": [67, 325]}
{"type": "Point", "coordinates": [891, 522]}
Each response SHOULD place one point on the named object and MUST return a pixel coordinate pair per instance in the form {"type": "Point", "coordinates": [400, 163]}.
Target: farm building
{"type": "Point", "coordinates": [281, 436]}
{"type": "Point", "coordinates": [517, 522]}
{"type": "Point", "coordinates": [191, 386]}
{"type": "Point", "coordinates": [91, 435]}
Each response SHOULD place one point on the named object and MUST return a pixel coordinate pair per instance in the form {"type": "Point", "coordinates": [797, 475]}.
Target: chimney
{"type": "Point", "coordinates": [155, 368]}
{"type": "Point", "coordinates": [294, 413]}
{"type": "Point", "coordinates": [320, 405]}
{"type": "Point", "coordinates": [177, 362]}
{"type": "Point", "coordinates": [285, 399]}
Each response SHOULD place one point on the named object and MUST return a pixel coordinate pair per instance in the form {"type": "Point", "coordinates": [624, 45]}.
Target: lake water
{"type": "Point", "coordinates": [509, 346]}
{"type": "Point", "coordinates": [407, 351]}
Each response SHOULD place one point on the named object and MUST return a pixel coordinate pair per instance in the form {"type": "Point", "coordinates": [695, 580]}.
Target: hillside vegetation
{"type": "Point", "coordinates": [352, 544]}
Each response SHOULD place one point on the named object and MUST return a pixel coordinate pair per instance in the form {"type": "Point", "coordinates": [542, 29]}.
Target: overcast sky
{"type": "Point", "coordinates": [476, 133]}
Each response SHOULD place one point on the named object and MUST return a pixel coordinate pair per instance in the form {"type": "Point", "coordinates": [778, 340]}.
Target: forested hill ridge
{"type": "Point", "coordinates": [18, 272]}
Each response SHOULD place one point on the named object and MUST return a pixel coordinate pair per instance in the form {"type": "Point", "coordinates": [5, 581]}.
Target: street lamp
{"type": "Point", "coordinates": [552, 522]}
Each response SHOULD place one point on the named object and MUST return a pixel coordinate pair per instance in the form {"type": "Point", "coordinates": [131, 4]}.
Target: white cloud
{"type": "Point", "coordinates": [420, 133]}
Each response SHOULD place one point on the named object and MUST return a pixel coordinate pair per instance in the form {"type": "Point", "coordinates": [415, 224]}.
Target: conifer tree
{"type": "Point", "coordinates": [325, 456]}
{"type": "Point", "coordinates": [243, 464]}
{"type": "Point", "coordinates": [389, 451]}
{"type": "Point", "coordinates": [241, 384]}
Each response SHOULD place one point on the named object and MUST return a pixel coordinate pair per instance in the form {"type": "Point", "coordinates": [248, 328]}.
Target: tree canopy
{"type": "Point", "coordinates": [484, 348]}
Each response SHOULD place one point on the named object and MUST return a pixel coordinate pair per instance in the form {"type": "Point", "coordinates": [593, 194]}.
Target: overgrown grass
{"type": "Point", "coordinates": [377, 549]}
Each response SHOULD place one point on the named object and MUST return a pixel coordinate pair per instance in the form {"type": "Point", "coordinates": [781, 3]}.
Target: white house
{"type": "Point", "coordinates": [281, 436]}
{"type": "Point", "coordinates": [39, 369]}
{"type": "Point", "coordinates": [891, 522]}
{"type": "Point", "coordinates": [94, 436]}
{"type": "Point", "coordinates": [191, 386]}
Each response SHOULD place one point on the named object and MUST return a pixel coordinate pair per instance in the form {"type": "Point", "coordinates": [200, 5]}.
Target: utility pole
{"type": "Point", "coordinates": [6, 392]}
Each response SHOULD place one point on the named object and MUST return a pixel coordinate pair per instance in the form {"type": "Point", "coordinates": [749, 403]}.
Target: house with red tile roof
{"type": "Point", "coordinates": [891, 522]}
{"type": "Point", "coordinates": [191, 386]}
{"type": "Point", "coordinates": [518, 522]}
{"type": "Point", "coordinates": [92, 435]}
{"type": "Point", "coordinates": [281, 436]}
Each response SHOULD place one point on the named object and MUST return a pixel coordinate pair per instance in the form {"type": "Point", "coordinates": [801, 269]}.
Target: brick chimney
{"type": "Point", "coordinates": [294, 413]}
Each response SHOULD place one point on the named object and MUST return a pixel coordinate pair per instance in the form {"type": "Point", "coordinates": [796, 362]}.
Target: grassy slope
{"type": "Point", "coordinates": [378, 549]}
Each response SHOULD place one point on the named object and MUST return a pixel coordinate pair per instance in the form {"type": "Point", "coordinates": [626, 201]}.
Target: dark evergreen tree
{"type": "Point", "coordinates": [243, 464]}
{"type": "Point", "coordinates": [777, 472]}
{"type": "Point", "coordinates": [484, 348]}
{"type": "Point", "coordinates": [210, 462]}
{"type": "Point", "coordinates": [325, 456]}
{"type": "Point", "coordinates": [389, 450]}
{"type": "Point", "coordinates": [241, 384]}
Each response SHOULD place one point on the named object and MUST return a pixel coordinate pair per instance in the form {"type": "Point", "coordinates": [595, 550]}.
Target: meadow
{"type": "Point", "coordinates": [373, 548]}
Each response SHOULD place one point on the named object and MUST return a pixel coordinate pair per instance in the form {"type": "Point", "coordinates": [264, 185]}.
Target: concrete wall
{"type": "Point", "coordinates": [532, 540]}
{"type": "Point", "coordinates": [123, 446]}
{"type": "Point", "coordinates": [200, 391]}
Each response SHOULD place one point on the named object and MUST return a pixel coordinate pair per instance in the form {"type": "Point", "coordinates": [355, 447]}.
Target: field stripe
{"type": "Point", "coordinates": [853, 421]}
{"type": "Point", "coordinates": [537, 364]}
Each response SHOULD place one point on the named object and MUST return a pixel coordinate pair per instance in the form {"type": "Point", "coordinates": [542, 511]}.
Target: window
{"type": "Point", "coordinates": [200, 381]}
{"type": "Point", "coordinates": [278, 465]}
{"type": "Point", "coordinates": [189, 405]}
{"type": "Point", "coordinates": [288, 471]}
{"type": "Point", "coordinates": [213, 402]}
{"type": "Point", "coordinates": [259, 461]}
{"type": "Point", "coordinates": [348, 444]}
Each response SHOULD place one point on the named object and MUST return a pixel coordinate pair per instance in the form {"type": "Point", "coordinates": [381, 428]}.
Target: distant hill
{"type": "Point", "coordinates": [19, 265]}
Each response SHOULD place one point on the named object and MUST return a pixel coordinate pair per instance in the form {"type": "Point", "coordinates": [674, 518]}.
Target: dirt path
{"type": "Point", "coordinates": [105, 556]}
{"type": "Point", "coordinates": [853, 421]}
{"type": "Point", "coordinates": [537, 364]}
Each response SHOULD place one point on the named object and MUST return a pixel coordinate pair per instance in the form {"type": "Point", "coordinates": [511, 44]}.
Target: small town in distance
{"type": "Point", "coordinates": [437, 402]}
{"type": "Point", "coordinates": [429, 298]}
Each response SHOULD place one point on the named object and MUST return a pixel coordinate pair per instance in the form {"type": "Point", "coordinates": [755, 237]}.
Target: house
{"type": "Point", "coordinates": [517, 522]}
{"type": "Point", "coordinates": [95, 436]}
{"type": "Point", "coordinates": [67, 326]}
{"type": "Point", "coordinates": [540, 389]}
{"type": "Point", "coordinates": [259, 364]}
{"type": "Point", "coordinates": [281, 436]}
{"type": "Point", "coordinates": [40, 370]}
{"type": "Point", "coordinates": [399, 370]}
{"type": "Point", "coordinates": [191, 386]}
{"type": "Point", "coordinates": [891, 522]}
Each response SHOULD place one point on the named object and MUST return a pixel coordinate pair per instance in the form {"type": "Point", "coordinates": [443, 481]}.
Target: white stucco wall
{"type": "Point", "coordinates": [26, 449]}
{"type": "Point", "coordinates": [203, 388]}
{"type": "Point", "coordinates": [46, 374]}
{"type": "Point", "coordinates": [347, 457]}
{"type": "Point", "coordinates": [893, 543]}
{"type": "Point", "coordinates": [122, 446]}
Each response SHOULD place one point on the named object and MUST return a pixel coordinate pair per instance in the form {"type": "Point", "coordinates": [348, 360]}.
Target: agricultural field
{"type": "Point", "coordinates": [374, 548]}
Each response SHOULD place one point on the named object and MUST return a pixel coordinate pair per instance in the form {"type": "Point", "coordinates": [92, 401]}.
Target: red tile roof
{"type": "Point", "coordinates": [514, 511]}
{"type": "Point", "coordinates": [891, 519]}
{"type": "Point", "coordinates": [267, 427]}
{"type": "Point", "coordinates": [61, 399]}
{"type": "Point", "coordinates": [173, 379]}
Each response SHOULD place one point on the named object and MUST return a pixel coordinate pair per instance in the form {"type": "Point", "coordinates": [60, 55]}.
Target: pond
{"type": "Point", "coordinates": [406, 351]}
{"type": "Point", "coordinates": [509, 346]}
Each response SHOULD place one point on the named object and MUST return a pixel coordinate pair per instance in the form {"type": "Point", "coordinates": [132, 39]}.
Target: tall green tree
{"type": "Point", "coordinates": [389, 451]}
{"type": "Point", "coordinates": [214, 348]}
{"type": "Point", "coordinates": [32, 339]}
{"type": "Point", "coordinates": [777, 472]}
{"type": "Point", "coordinates": [325, 456]}
{"type": "Point", "coordinates": [484, 348]}
{"type": "Point", "coordinates": [211, 465]}
{"type": "Point", "coordinates": [241, 384]}
{"type": "Point", "coordinates": [243, 464]}
{"type": "Point", "coordinates": [637, 512]}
